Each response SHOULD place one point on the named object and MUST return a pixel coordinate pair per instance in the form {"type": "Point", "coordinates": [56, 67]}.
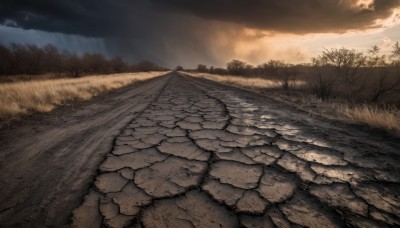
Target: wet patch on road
{"type": "Point", "coordinates": [203, 157]}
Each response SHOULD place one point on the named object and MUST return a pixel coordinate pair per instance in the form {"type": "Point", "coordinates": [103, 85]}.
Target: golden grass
{"type": "Point", "coordinates": [383, 118]}
{"type": "Point", "coordinates": [241, 81]}
{"type": "Point", "coordinates": [374, 116]}
{"type": "Point", "coordinates": [44, 95]}
{"type": "Point", "coordinates": [256, 83]}
{"type": "Point", "coordinates": [371, 115]}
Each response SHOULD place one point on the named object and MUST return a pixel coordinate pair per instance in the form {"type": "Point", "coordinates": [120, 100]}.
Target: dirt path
{"type": "Point", "coordinates": [201, 155]}
{"type": "Point", "coordinates": [48, 163]}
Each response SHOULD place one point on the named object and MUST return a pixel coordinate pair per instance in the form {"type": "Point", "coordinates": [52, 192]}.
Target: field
{"type": "Point", "coordinates": [23, 97]}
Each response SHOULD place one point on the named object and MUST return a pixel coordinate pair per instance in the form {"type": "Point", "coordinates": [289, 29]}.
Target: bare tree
{"type": "Point", "coordinates": [144, 66]}
{"type": "Point", "coordinates": [211, 70]}
{"type": "Point", "coordinates": [178, 68]}
{"type": "Point", "coordinates": [288, 77]}
{"type": "Point", "coordinates": [236, 67]}
{"type": "Point", "coordinates": [52, 59]}
{"type": "Point", "coordinates": [5, 58]}
{"type": "Point", "coordinates": [18, 55]}
{"type": "Point", "coordinates": [396, 52]}
{"type": "Point", "coordinates": [383, 84]}
{"type": "Point", "coordinates": [72, 63]}
{"type": "Point", "coordinates": [30, 59]}
{"type": "Point", "coordinates": [201, 68]}
{"type": "Point", "coordinates": [34, 60]}
{"type": "Point", "coordinates": [117, 65]}
{"type": "Point", "coordinates": [323, 86]}
{"type": "Point", "coordinates": [95, 63]}
{"type": "Point", "coordinates": [346, 63]}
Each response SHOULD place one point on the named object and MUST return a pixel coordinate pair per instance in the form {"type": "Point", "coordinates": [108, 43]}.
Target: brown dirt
{"type": "Point", "coordinates": [183, 152]}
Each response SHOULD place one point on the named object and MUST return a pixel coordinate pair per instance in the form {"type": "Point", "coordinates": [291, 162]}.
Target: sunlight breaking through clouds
{"type": "Point", "coordinates": [172, 32]}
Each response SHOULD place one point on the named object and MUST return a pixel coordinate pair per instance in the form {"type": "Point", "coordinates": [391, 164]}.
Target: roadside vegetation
{"type": "Point", "coordinates": [44, 95]}
{"type": "Point", "coordinates": [29, 62]}
{"type": "Point", "coordinates": [36, 78]}
{"type": "Point", "coordinates": [340, 84]}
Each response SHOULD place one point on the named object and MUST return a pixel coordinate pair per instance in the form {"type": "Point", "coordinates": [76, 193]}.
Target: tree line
{"type": "Point", "coordinates": [335, 72]}
{"type": "Point", "coordinates": [29, 59]}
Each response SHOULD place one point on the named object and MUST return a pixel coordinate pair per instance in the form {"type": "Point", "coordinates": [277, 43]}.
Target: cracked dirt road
{"type": "Point", "coordinates": [207, 155]}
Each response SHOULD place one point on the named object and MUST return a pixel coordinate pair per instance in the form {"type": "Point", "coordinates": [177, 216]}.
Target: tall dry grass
{"type": "Point", "coordinates": [43, 96]}
{"type": "Point", "coordinates": [256, 83]}
{"type": "Point", "coordinates": [383, 118]}
{"type": "Point", "coordinates": [380, 117]}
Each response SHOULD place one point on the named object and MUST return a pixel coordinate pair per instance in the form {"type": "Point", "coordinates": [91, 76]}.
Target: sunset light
{"type": "Point", "coordinates": [200, 113]}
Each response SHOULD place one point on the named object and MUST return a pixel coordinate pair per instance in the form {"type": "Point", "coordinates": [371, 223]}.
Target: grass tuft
{"type": "Point", "coordinates": [377, 117]}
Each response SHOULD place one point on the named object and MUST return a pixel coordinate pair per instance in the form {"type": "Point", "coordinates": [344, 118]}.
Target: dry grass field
{"type": "Point", "coordinates": [381, 117]}
{"type": "Point", "coordinates": [44, 95]}
{"type": "Point", "coordinates": [257, 83]}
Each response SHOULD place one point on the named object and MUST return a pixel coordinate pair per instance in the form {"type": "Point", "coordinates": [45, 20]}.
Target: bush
{"type": "Point", "coordinates": [19, 59]}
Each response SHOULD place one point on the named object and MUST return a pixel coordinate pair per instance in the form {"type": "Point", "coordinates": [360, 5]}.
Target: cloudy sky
{"type": "Point", "coordinates": [172, 32]}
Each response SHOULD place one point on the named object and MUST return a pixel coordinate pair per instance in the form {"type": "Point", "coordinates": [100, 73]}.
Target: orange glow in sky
{"type": "Point", "coordinates": [257, 46]}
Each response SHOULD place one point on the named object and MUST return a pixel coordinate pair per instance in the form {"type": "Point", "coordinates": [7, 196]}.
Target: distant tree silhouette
{"type": "Point", "coordinates": [345, 61]}
{"type": "Point", "coordinates": [117, 65]}
{"type": "Point", "coordinates": [95, 63]}
{"type": "Point", "coordinates": [73, 64]}
{"type": "Point", "coordinates": [19, 59]}
{"type": "Point", "coordinates": [202, 68]}
{"type": "Point", "coordinates": [52, 59]}
{"type": "Point", "coordinates": [236, 67]}
{"type": "Point", "coordinates": [178, 68]}
{"type": "Point", "coordinates": [271, 67]}
{"type": "Point", "coordinates": [5, 60]}
{"type": "Point", "coordinates": [143, 66]}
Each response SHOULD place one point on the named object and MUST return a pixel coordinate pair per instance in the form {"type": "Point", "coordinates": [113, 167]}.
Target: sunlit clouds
{"type": "Point", "coordinates": [212, 32]}
{"type": "Point", "coordinates": [358, 5]}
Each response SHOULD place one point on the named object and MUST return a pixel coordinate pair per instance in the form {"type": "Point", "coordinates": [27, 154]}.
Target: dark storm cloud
{"type": "Point", "coordinates": [105, 17]}
{"type": "Point", "coordinates": [136, 30]}
{"type": "Point", "coordinates": [183, 31]}
{"type": "Point", "coordinates": [88, 17]}
{"type": "Point", "coordinates": [293, 16]}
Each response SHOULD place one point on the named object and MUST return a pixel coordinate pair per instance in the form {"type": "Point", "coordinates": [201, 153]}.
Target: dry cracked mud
{"type": "Point", "coordinates": [207, 155]}
{"type": "Point", "coordinates": [201, 156]}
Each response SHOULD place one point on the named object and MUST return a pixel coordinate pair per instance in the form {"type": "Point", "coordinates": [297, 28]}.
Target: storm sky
{"type": "Point", "coordinates": [172, 32]}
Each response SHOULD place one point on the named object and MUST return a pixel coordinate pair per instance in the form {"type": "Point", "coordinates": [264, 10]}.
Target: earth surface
{"type": "Point", "coordinates": [177, 151]}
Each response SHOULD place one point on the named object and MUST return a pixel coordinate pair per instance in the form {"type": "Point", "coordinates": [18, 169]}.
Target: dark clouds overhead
{"type": "Point", "coordinates": [84, 17]}
{"type": "Point", "coordinates": [162, 30]}
{"type": "Point", "coordinates": [104, 17]}
{"type": "Point", "coordinates": [292, 16]}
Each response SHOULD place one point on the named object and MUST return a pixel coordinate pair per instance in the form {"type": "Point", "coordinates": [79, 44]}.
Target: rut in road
{"type": "Point", "coordinates": [207, 155]}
